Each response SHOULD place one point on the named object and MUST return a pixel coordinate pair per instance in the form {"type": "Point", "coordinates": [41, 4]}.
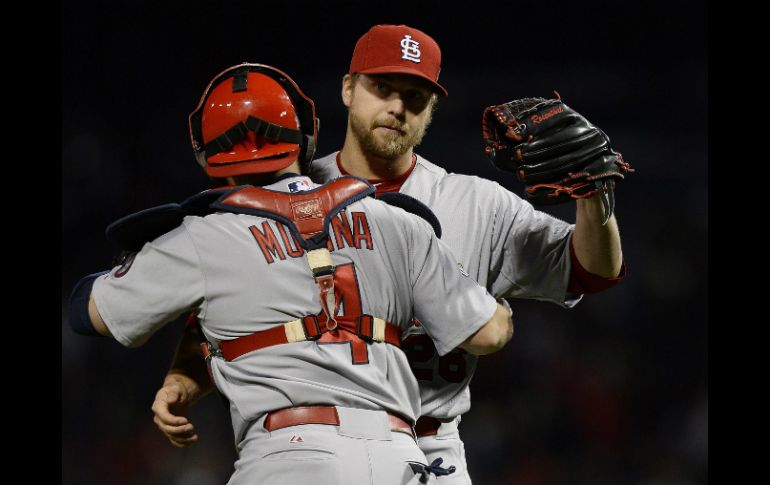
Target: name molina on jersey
{"type": "Point", "coordinates": [351, 231]}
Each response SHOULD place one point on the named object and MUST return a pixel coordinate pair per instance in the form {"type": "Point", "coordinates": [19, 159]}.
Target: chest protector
{"type": "Point", "coordinates": [308, 216]}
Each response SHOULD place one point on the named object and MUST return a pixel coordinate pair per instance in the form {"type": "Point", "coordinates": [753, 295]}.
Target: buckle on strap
{"type": "Point", "coordinates": [272, 132]}
{"type": "Point", "coordinates": [303, 329]}
{"type": "Point", "coordinates": [311, 327]}
{"type": "Point", "coordinates": [320, 262]}
{"type": "Point", "coordinates": [254, 124]}
{"type": "Point", "coordinates": [371, 329]}
{"type": "Point", "coordinates": [322, 267]}
{"type": "Point", "coordinates": [209, 351]}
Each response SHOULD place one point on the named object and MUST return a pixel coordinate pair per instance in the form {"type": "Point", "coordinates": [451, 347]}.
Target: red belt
{"type": "Point", "coordinates": [426, 426]}
{"type": "Point", "coordinates": [322, 415]}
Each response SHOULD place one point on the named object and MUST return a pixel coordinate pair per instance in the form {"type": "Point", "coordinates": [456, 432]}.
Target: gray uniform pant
{"type": "Point", "coordinates": [362, 450]}
{"type": "Point", "coordinates": [447, 444]}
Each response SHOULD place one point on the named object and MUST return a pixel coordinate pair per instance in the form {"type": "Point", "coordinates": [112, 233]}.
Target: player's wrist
{"type": "Point", "coordinates": [188, 386]}
{"type": "Point", "coordinates": [506, 305]}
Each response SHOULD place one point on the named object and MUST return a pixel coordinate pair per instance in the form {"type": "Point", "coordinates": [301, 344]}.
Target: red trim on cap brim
{"type": "Point", "coordinates": [404, 70]}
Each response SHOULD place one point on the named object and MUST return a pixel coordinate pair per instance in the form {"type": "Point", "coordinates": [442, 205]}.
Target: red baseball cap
{"type": "Point", "coordinates": [398, 49]}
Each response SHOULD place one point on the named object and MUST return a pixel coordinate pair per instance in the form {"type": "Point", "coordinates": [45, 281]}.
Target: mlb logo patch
{"type": "Point", "coordinates": [299, 186]}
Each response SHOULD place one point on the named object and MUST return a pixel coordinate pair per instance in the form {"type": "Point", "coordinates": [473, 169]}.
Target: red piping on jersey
{"type": "Point", "coordinates": [582, 281]}
{"type": "Point", "coordinates": [384, 185]}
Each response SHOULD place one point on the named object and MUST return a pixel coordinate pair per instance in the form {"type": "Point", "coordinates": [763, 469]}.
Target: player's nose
{"type": "Point", "coordinates": [396, 105]}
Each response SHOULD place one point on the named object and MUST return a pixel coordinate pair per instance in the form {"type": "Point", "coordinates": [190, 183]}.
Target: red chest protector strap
{"type": "Point", "coordinates": [311, 327]}
{"type": "Point", "coordinates": [306, 214]}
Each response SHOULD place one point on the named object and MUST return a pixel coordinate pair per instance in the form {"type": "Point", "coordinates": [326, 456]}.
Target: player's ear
{"type": "Point", "coordinates": [348, 83]}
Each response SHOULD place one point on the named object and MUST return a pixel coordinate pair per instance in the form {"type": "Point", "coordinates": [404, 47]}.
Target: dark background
{"type": "Point", "coordinates": [612, 391]}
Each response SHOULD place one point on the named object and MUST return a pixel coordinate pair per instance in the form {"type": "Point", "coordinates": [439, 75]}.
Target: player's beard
{"type": "Point", "coordinates": [391, 145]}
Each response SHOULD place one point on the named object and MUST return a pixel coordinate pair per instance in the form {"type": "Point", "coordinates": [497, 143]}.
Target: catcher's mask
{"type": "Point", "coordinates": [252, 119]}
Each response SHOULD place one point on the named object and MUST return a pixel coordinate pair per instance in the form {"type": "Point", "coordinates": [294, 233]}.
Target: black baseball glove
{"type": "Point", "coordinates": [554, 150]}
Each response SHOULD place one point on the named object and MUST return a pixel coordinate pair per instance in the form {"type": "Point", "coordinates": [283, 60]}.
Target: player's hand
{"type": "Point", "coordinates": [171, 405]}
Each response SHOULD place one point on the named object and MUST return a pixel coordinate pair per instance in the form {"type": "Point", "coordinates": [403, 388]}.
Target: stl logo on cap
{"type": "Point", "coordinates": [398, 49]}
{"type": "Point", "coordinates": [410, 49]}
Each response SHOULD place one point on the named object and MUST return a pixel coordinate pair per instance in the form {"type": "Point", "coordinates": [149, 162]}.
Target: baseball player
{"type": "Point", "coordinates": [499, 239]}
{"type": "Point", "coordinates": [301, 291]}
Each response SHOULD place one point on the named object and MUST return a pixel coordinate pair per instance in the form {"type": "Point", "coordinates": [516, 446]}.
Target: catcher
{"type": "Point", "coordinates": [301, 292]}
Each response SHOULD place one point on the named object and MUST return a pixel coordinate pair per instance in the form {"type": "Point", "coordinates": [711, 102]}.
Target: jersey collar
{"type": "Point", "coordinates": [384, 185]}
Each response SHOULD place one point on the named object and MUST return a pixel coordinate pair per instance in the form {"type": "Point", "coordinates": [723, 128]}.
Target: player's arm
{"type": "Point", "coordinates": [536, 252]}
{"type": "Point", "coordinates": [149, 289]}
{"type": "Point", "coordinates": [189, 366]}
{"type": "Point", "coordinates": [185, 383]}
{"type": "Point", "coordinates": [493, 335]}
{"type": "Point", "coordinates": [454, 309]}
{"type": "Point", "coordinates": [84, 317]}
{"type": "Point", "coordinates": [170, 407]}
{"type": "Point", "coordinates": [597, 247]}
{"type": "Point", "coordinates": [96, 319]}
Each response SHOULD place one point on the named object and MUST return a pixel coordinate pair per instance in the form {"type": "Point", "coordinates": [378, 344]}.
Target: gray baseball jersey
{"type": "Point", "coordinates": [501, 241]}
{"type": "Point", "coordinates": [243, 273]}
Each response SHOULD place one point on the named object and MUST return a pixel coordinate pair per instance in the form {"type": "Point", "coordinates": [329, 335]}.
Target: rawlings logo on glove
{"type": "Point", "coordinates": [554, 150]}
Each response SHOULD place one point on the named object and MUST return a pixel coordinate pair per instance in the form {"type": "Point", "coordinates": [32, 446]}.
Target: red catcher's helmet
{"type": "Point", "coordinates": [251, 119]}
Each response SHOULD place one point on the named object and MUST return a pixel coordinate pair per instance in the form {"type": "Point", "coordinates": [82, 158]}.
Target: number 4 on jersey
{"type": "Point", "coordinates": [348, 297]}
